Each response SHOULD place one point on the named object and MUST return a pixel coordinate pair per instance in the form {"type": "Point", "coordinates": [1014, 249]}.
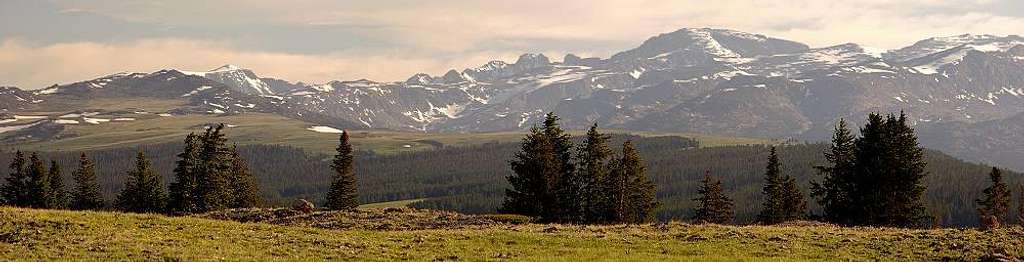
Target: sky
{"type": "Point", "coordinates": [47, 42]}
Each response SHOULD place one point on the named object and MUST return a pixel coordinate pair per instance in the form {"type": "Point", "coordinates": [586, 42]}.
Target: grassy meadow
{"type": "Point", "coordinates": [27, 234]}
{"type": "Point", "coordinates": [260, 128]}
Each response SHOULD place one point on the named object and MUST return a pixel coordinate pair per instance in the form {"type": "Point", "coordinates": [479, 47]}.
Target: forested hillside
{"type": "Point", "coordinates": [472, 179]}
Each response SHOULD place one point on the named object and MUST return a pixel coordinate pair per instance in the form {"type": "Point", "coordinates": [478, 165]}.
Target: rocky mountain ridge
{"type": "Point", "coordinates": [691, 80]}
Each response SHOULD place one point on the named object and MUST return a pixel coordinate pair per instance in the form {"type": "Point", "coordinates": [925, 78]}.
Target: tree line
{"type": "Point", "coordinates": [30, 184]}
{"type": "Point", "coordinates": [875, 179]}
{"type": "Point", "coordinates": [208, 175]}
{"type": "Point", "coordinates": [557, 181]}
{"type": "Point", "coordinates": [472, 179]}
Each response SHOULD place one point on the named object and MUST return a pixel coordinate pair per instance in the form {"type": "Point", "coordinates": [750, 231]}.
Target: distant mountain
{"type": "Point", "coordinates": [239, 79]}
{"type": "Point", "coordinates": [961, 91]}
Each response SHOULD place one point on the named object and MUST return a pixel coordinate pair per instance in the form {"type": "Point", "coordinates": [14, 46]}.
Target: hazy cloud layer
{"type": "Point", "coordinates": [47, 42]}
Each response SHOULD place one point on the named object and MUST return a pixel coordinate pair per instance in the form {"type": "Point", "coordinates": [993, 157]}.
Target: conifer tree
{"type": "Point", "coordinates": [640, 196]}
{"type": "Point", "coordinates": [530, 168]}
{"type": "Point", "coordinates": [873, 167]}
{"type": "Point", "coordinates": [995, 200]}
{"type": "Point", "coordinates": [38, 183]}
{"type": "Point", "coordinates": [889, 167]}
{"type": "Point", "coordinates": [794, 205]}
{"type": "Point", "coordinates": [783, 199]}
{"type": "Point", "coordinates": [1020, 204]}
{"type": "Point", "coordinates": [184, 191]}
{"type": "Point", "coordinates": [245, 189]}
{"type": "Point", "coordinates": [833, 193]}
{"type": "Point", "coordinates": [15, 191]}
{"type": "Point", "coordinates": [538, 173]}
{"type": "Point", "coordinates": [772, 209]}
{"type": "Point", "coordinates": [143, 192]}
{"type": "Point", "coordinates": [58, 195]}
{"type": "Point", "coordinates": [574, 198]}
{"type": "Point", "coordinates": [86, 195]}
{"type": "Point", "coordinates": [904, 207]}
{"type": "Point", "coordinates": [343, 194]}
{"type": "Point", "coordinates": [213, 188]}
{"type": "Point", "coordinates": [593, 163]}
{"type": "Point", "coordinates": [712, 204]}
{"type": "Point", "coordinates": [562, 180]}
{"type": "Point", "coordinates": [616, 193]}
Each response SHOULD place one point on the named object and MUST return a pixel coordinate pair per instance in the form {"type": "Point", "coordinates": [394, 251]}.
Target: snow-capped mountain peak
{"type": "Point", "coordinates": [238, 78]}
{"type": "Point", "coordinates": [935, 45]}
{"type": "Point", "coordinates": [228, 67]}
{"type": "Point", "coordinates": [420, 79]}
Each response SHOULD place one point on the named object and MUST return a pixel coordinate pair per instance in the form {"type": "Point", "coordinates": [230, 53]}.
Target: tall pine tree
{"type": "Point", "coordinates": [184, 191]}
{"type": "Point", "coordinates": [213, 188]}
{"type": "Point", "coordinates": [905, 206]}
{"type": "Point", "coordinates": [713, 206]}
{"type": "Point", "coordinates": [563, 179]}
{"type": "Point", "coordinates": [995, 199]}
{"type": "Point", "coordinates": [616, 193]}
{"type": "Point", "coordinates": [593, 163]}
{"type": "Point", "coordinates": [640, 196]}
{"type": "Point", "coordinates": [530, 168]}
{"type": "Point", "coordinates": [783, 199]}
{"type": "Point", "coordinates": [244, 188]}
{"type": "Point", "coordinates": [886, 188]}
{"type": "Point", "coordinates": [58, 195]}
{"type": "Point", "coordinates": [833, 193]}
{"type": "Point", "coordinates": [575, 192]}
{"type": "Point", "coordinates": [38, 189]}
{"type": "Point", "coordinates": [86, 195]}
{"type": "Point", "coordinates": [343, 194]}
{"type": "Point", "coordinates": [1020, 204]}
{"type": "Point", "coordinates": [143, 192]}
{"type": "Point", "coordinates": [538, 173]}
{"type": "Point", "coordinates": [772, 210]}
{"type": "Point", "coordinates": [15, 191]}
{"type": "Point", "coordinates": [794, 205]}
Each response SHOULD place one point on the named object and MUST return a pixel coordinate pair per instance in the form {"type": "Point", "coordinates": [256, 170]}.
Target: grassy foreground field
{"type": "Point", "coordinates": [64, 235]}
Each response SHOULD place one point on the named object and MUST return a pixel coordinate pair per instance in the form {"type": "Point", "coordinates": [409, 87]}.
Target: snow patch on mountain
{"type": "Point", "coordinates": [325, 129]}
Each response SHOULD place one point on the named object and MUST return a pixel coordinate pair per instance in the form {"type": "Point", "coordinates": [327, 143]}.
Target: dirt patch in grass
{"type": "Point", "coordinates": [392, 218]}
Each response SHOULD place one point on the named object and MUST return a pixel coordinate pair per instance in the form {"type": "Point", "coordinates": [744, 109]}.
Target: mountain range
{"type": "Point", "coordinates": [964, 94]}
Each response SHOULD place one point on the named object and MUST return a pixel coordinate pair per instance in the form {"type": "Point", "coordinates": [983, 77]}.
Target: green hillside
{"type": "Point", "coordinates": [258, 128]}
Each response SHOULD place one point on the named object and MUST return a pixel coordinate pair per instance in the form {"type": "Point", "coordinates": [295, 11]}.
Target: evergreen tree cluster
{"type": "Point", "coordinates": [552, 183]}
{"type": "Point", "coordinates": [874, 179]}
{"type": "Point", "coordinates": [31, 184]}
{"type": "Point", "coordinates": [211, 175]}
{"type": "Point", "coordinates": [472, 178]}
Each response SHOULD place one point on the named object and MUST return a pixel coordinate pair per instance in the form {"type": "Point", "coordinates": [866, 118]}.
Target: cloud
{"type": "Point", "coordinates": [460, 25]}
{"type": "Point", "coordinates": [320, 40]}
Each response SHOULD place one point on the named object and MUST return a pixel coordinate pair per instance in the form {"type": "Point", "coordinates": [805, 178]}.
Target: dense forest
{"type": "Point", "coordinates": [472, 179]}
